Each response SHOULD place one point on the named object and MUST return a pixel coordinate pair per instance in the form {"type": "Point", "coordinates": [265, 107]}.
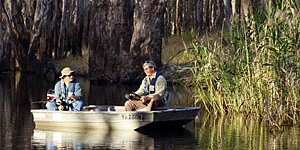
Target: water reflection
{"type": "Point", "coordinates": [16, 121]}
{"type": "Point", "coordinates": [99, 139]}
{"type": "Point", "coordinates": [239, 132]}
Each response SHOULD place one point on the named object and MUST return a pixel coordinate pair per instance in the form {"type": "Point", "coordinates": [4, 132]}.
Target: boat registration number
{"type": "Point", "coordinates": [132, 117]}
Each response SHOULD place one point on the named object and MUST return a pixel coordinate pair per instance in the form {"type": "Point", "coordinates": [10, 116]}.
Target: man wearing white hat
{"type": "Point", "coordinates": [152, 91]}
{"type": "Point", "coordinates": [67, 93]}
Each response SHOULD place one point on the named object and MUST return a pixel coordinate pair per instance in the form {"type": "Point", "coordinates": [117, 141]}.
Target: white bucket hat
{"type": "Point", "coordinates": [66, 71]}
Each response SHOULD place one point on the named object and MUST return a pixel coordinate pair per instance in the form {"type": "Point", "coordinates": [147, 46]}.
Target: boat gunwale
{"type": "Point", "coordinates": [179, 109]}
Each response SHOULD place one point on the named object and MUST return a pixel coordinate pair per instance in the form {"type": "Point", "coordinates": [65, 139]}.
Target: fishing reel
{"type": "Point", "coordinates": [62, 105]}
{"type": "Point", "coordinates": [132, 96]}
{"type": "Point", "coordinates": [60, 102]}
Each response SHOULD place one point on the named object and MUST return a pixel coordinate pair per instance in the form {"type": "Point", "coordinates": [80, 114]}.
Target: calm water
{"type": "Point", "coordinates": [206, 132]}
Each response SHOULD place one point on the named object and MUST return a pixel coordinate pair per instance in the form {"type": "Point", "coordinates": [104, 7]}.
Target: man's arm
{"type": "Point", "coordinates": [57, 91]}
{"type": "Point", "coordinates": [140, 91]}
{"type": "Point", "coordinates": [77, 91]}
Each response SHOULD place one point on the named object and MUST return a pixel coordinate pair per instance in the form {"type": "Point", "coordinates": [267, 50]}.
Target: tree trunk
{"type": "Point", "coordinates": [199, 16]}
{"type": "Point", "coordinates": [178, 17]}
{"type": "Point", "coordinates": [110, 31]}
{"type": "Point", "coordinates": [17, 37]}
{"type": "Point", "coordinates": [219, 14]}
{"type": "Point", "coordinates": [41, 29]}
{"type": "Point", "coordinates": [57, 29]}
{"type": "Point", "coordinates": [168, 20]}
{"type": "Point", "coordinates": [5, 53]}
{"type": "Point", "coordinates": [148, 32]}
{"type": "Point", "coordinates": [227, 13]}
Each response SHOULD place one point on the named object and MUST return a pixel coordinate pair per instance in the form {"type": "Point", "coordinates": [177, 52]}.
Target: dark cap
{"type": "Point", "coordinates": [149, 64]}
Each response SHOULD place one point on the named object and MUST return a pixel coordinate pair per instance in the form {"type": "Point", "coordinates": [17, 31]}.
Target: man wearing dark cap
{"type": "Point", "coordinates": [153, 90]}
{"type": "Point", "coordinates": [67, 93]}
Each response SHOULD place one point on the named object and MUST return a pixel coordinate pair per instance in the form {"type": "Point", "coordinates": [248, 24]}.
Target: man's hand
{"type": "Point", "coordinates": [60, 107]}
{"type": "Point", "coordinates": [72, 97]}
{"type": "Point", "coordinates": [145, 99]}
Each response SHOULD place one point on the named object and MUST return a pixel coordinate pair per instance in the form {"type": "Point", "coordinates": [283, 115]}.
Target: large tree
{"type": "Point", "coordinates": [148, 32]}
{"type": "Point", "coordinates": [110, 31]}
{"type": "Point", "coordinates": [118, 35]}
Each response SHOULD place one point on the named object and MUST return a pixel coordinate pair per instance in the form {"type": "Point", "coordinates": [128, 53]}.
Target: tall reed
{"type": "Point", "coordinates": [257, 72]}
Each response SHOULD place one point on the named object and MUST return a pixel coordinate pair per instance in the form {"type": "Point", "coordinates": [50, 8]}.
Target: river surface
{"type": "Point", "coordinates": [206, 132]}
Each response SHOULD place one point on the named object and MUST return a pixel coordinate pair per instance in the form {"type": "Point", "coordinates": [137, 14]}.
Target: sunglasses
{"type": "Point", "coordinates": [68, 75]}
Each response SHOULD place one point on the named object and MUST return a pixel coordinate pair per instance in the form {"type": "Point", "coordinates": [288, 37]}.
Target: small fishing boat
{"type": "Point", "coordinates": [114, 118]}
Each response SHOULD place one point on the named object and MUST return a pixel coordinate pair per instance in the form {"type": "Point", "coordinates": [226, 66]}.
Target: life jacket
{"type": "Point", "coordinates": [149, 87]}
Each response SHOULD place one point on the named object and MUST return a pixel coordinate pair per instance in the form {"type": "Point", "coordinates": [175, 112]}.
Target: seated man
{"type": "Point", "coordinates": [152, 90]}
{"type": "Point", "coordinates": [67, 93]}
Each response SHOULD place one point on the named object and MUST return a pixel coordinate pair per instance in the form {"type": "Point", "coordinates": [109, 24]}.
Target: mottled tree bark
{"type": "Point", "coordinates": [220, 15]}
{"type": "Point", "coordinates": [43, 29]}
{"type": "Point", "coordinates": [5, 53]}
{"type": "Point", "coordinates": [227, 13]}
{"type": "Point", "coordinates": [178, 16]}
{"type": "Point", "coordinates": [168, 24]}
{"type": "Point", "coordinates": [148, 32]}
{"type": "Point", "coordinates": [58, 28]}
{"type": "Point", "coordinates": [110, 31]}
{"type": "Point", "coordinates": [199, 16]}
{"type": "Point", "coordinates": [17, 35]}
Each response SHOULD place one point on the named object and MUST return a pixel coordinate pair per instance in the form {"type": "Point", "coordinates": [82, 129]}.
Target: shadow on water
{"type": "Point", "coordinates": [16, 121]}
{"type": "Point", "coordinates": [180, 138]}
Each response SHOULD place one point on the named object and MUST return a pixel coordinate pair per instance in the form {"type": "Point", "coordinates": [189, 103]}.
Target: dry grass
{"type": "Point", "coordinates": [175, 48]}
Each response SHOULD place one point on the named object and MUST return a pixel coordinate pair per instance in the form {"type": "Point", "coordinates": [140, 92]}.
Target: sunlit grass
{"type": "Point", "coordinates": [175, 48]}
{"type": "Point", "coordinates": [254, 69]}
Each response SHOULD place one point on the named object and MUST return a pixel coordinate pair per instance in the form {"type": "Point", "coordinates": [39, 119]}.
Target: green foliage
{"type": "Point", "coordinates": [258, 71]}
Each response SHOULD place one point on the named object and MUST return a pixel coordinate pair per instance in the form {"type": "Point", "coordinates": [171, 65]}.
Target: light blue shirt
{"type": "Point", "coordinates": [61, 90]}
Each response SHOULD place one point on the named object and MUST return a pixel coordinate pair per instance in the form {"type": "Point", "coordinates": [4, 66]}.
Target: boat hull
{"type": "Point", "coordinates": [113, 120]}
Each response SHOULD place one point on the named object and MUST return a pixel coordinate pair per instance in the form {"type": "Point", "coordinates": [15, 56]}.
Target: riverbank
{"type": "Point", "coordinates": [175, 67]}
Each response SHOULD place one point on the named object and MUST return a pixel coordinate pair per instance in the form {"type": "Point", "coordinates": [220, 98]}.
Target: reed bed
{"type": "Point", "coordinates": [254, 68]}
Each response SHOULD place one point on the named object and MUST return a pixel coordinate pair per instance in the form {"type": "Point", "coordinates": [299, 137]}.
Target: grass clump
{"type": "Point", "coordinates": [257, 71]}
